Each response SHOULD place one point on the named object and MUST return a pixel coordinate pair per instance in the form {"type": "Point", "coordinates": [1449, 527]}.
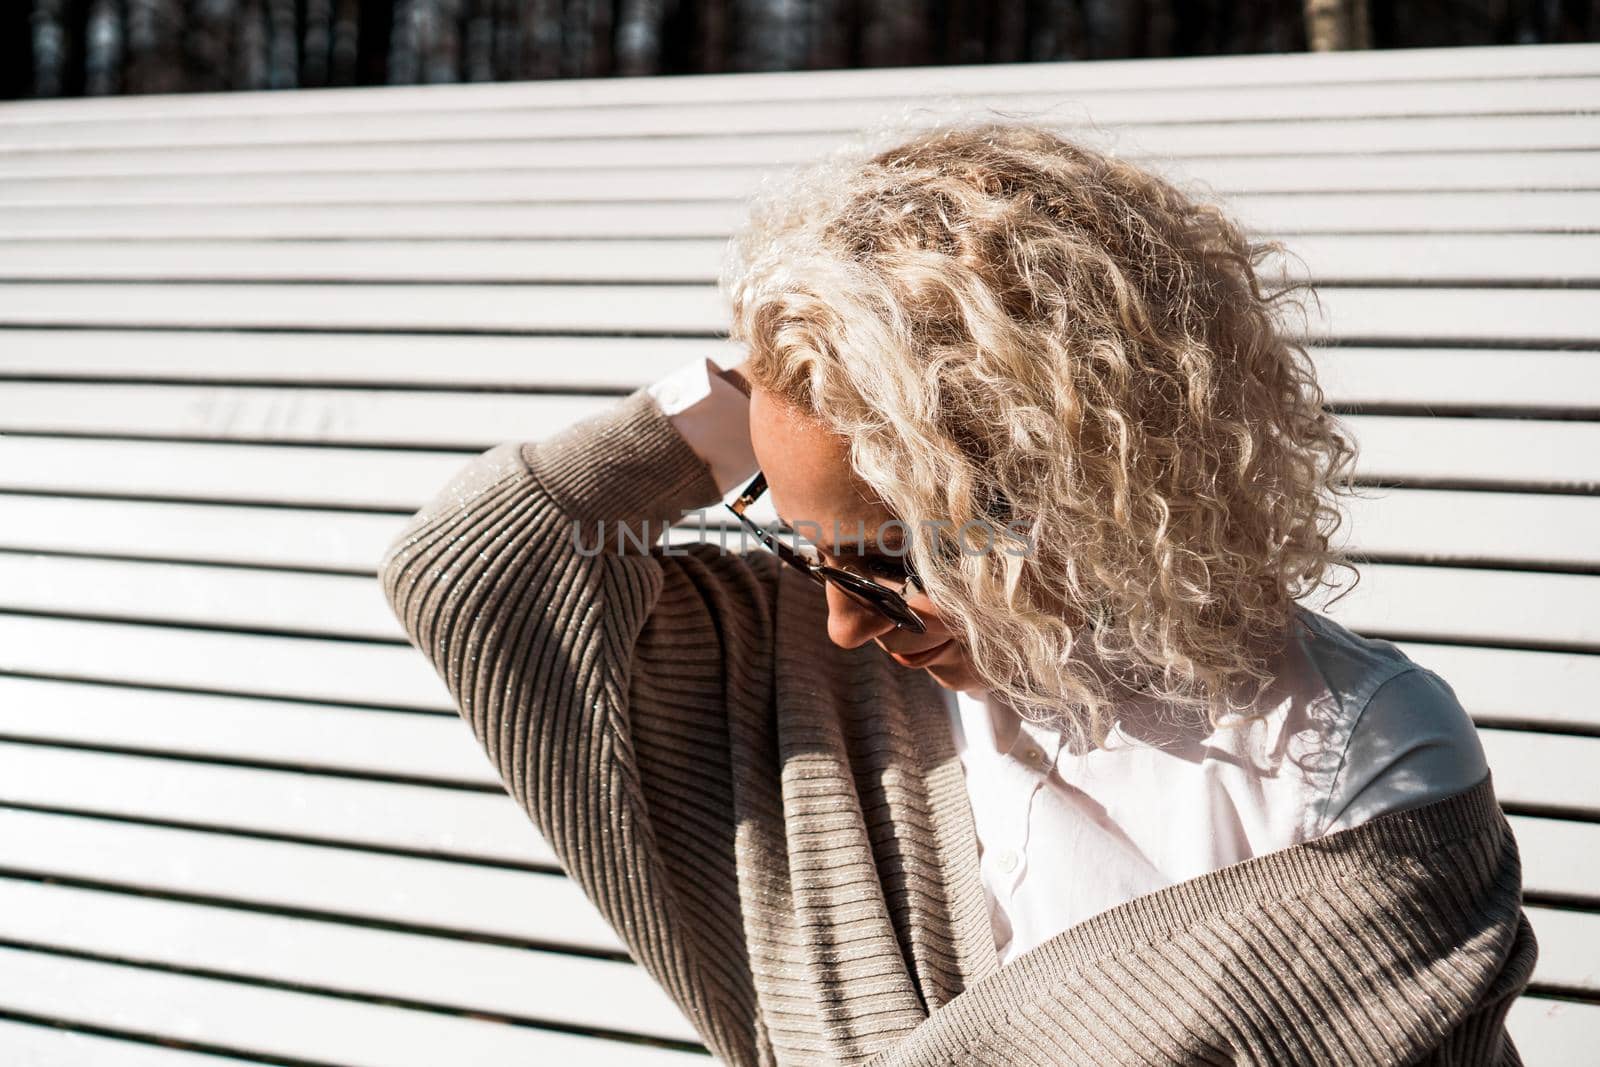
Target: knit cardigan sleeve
{"type": "Point", "coordinates": [597, 675]}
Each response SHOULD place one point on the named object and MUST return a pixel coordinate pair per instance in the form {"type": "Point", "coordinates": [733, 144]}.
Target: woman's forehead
{"type": "Point", "coordinates": [808, 471]}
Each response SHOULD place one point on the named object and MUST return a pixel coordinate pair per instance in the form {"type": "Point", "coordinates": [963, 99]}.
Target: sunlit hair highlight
{"type": "Point", "coordinates": [1011, 327]}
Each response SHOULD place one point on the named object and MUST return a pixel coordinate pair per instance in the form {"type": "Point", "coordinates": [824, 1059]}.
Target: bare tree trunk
{"type": "Point", "coordinates": [206, 45]}
{"type": "Point", "coordinates": [50, 48]}
{"type": "Point", "coordinates": [344, 46]}
{"type": "Point", "coordinates": [639, 37]}
{"type": "Point", "coordinates": [154, 60]}
{"type": "Point", "coordinates": [770, 35]}
{"type": "Point", "coordinates": [1337, 25]}
{"type": "Point", "coordinates": [541, 40]}
{"type": "Point", "coordinates": [895, 33]}
{"type": "Point", "coordinates": [283, 50]}
{"type": "Point", "coordinates": [1008, 33]}
{"type": "Point", "coordinates": [250, 63]}
{"type": "Point", "coordinates": [829, 33]}
{"type": "Point", "coordinates": [1060, 33]}
{"type": "Point", "coordinates": [1160, 29]}
{"type": "Point", "coordinates": [477, 53]}
{"type": "Point", "coordinates": [585, 41]}
{"type": "Point", "coordinates": [425, 43]}
{"type": "Point", "coordinates": [104, 49]}
{"type": "Point", "coordinates": [54, 48]}
{"type": "Point", "coordinates": [712, 37]}
{"type": "Point", "coordinates": [16, 50]}
{"type": "Point", "coordinates": [441, 44]}
{"type": "Point", "coordinates": [316, 44]}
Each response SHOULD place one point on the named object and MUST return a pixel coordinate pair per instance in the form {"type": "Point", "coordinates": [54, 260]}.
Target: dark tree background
{"type": "Point", "coordinates": [93, 47]}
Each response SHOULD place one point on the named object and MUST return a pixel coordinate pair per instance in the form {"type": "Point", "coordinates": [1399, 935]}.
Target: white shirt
{"type": "Point", "coordinates": [1354, 729]}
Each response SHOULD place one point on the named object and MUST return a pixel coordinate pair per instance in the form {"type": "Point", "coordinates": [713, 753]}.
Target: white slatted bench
{"type": "Point", "coordinates": [244, 336]}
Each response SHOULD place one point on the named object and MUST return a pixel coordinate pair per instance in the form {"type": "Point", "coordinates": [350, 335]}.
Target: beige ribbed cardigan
{"type": "Point", "coordinates": [778, 828]}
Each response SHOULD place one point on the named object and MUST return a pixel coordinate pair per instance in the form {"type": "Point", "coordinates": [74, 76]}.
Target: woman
{"type": "Point", "coordinates": [1052, 767]}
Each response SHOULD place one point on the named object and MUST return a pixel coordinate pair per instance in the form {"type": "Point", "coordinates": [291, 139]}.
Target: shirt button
{"type": "Point", "coordinates": [1034, 755]}
{"type": "Point", "coordinates": [1007, 861]}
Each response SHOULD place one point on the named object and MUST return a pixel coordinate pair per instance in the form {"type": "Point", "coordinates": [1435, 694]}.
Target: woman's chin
{"type": "Point", "coordinates": [950, 675]}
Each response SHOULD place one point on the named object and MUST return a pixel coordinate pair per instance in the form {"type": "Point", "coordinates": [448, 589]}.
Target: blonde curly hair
{"type": "Point", "coordinates": [1013, 329]}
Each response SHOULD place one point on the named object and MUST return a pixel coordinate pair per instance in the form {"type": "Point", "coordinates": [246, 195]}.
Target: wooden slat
{"type": "Point", "coordinates": [1553, 1033]}
{"type": "Point", "coordinates": [56, 177]}
{"type": "Point", "coordinates": [294, 735]}
{"type": "Point", "coordinates": [441, 748]}
{"type": "Point", "coordinates": [1446, 380]}
{"type": "Point", "coordinates": [1552, 690]}
{"type": "Point", "coordinates": [1533, 770]}
{"type": "Point", "coordinates": [1470, 527]}
{"type": "Point", "coordinates": [1560, 858]}
{"type": "Point", "coordinates": [734, 115]}
{"type": "Point", "coordinates": [43, 1045]}
{"type": "Point", "coordinates": [1546, 771]}
{"type": "Point", "coordinates": [1439, 378]}
{"type": "Point", "coordinates": [1569, 948]}
{"type": "Point", "coordinates": [543, 363]}
{"type": "Point", "coordinates": [471, 824]}
{"type": "Point", "coordinates": [474, 901]}
{"type": "Point", "coordinates": [297, 668]}
{"type": "Point", "coordinates": [1337, 259]}
{"type": "Point", "coordinates": [1327, 138]}
{"type": "Point", "coordinates": [334, 739]}
{"type": "Point", "coordinates": [1319, 174]}
{"type": "Point", "coordinates": [592, 308]}
{"type": "Point", "coordinates": [265, 1021]}
{"type": "Point", "coordinates": [263, 474]}
{"type": "Point", "coordinates": [1403, 70]}
{"type": "Point", "coordinates": [1424, 452]}
{"type": "Point", "coordinates": [1449, 452]}
{"type": "Point", "coordinates": [1209, 176]}
{"type": "Point", "coordinates": [234, 597]}
{"type": "Point", "coordinates": [1282, 215]}
{"type": "Point", "coordinates": [1477, 378]}
{"type": "Point", "coordinates": [686, 259]}
{"type": "Point", "coordinates": [1476, 528]}
{"type": "Point", "coordinates": [1416, 212]}
{"type": "Point", "coordinates": [438, 972]}
{"type": "Point", "coordinates": [1500, 686]}
{"type": "Point", "coordinates": [1215, 177]}
{"type": "Point", "coordinates": [1531, 317]}
{"type": "Point", "coordinates": [469, 421]}
{"type": "Point", "coordinates": [1470, 606]}
{"type": "Point", "coordinates": [1409, 259]}
{"type": "Point", "coordinates": [1093, 125]}
{"type": "Point", "coordinates": [215, 533]}
{"type": "Point", "coordinates": [1490, 452]}
{"type": "Point", "coordinates": [1501, 378]}
{"type": "Point", "coordinates": [1422, 602]}
{"type": "Point", "coordinates": [438, 747]}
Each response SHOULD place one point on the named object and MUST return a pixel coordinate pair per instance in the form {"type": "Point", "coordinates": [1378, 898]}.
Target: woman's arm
{"type": "Point", "coordinates": [599, 676]}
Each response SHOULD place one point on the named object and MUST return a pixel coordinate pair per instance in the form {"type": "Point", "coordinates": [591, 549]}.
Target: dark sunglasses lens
{"type": "Point", "coordinates": [877, 598]}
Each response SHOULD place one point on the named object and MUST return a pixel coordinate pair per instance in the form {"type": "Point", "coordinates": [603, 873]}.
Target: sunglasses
{"type": "Point", "coordinates": [878, 594]}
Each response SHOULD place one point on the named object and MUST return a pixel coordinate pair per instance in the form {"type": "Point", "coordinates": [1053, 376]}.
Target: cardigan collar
{"type": "Point", "coordinates": [861, 741]}
{"type": "Point", "coordinates": [956, 830]}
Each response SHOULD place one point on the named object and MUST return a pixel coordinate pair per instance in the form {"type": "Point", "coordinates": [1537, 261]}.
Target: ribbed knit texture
{"type": "Point", "coordinates": [778, 828]}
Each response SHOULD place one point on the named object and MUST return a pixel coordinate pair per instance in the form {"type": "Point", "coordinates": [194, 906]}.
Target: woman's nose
{"type": "Point", "coordinates": [851, 623]}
